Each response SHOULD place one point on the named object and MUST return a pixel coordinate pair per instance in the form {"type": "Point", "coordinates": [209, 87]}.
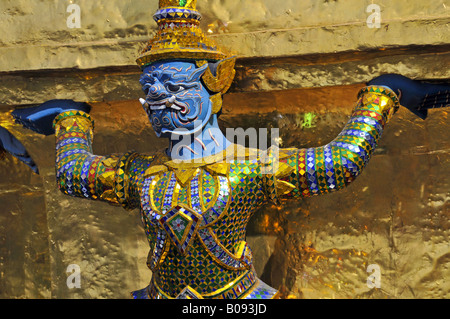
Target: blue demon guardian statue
{"type": "Point", "coordinates": [195, 205]}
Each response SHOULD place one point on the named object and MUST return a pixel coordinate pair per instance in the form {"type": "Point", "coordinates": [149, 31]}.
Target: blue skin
{"type": "Point", "coordinates": [179, 108]}
{"type": "Point", "coordinates": [10, 144]}
{"type": "Point", "coordinates": [412, 93]}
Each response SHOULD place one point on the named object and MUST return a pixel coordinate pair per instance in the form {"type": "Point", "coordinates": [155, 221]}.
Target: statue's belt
{"type": "Point", "coordinates": [236, 289]}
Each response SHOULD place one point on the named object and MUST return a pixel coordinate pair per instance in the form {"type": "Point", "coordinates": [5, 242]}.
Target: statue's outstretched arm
{"type": "Point", "coordinates": [79, 172]}
{"type": "Point", "coordinates": [321, 170]}
{"type": "Point", "coordinates": [115, 178]}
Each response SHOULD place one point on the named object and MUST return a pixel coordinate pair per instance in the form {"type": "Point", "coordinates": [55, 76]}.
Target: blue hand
{"type": "Point", "coordinates": [10, 144]}
{"type": "Point", "coordinates": [414, 95]}
{"type": "Point", "coordinates": [40, 118]}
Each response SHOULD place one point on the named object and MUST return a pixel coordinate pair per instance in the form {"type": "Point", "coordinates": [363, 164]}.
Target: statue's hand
{"type": "Point", "coordinates": [10, 144]}
{"type": "Point", "coordinates": [416, 96]}
{"type": "Point", "coordinates": [40, 118]}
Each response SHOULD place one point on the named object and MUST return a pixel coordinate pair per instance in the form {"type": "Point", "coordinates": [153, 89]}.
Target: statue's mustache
{"type": "Point", "coordinates": [171, 102]}
{"type": "Point", "coordinates": [186, 108]}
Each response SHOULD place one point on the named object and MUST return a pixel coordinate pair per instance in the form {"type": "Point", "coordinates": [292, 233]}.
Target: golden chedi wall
{"type": "Point", "coordinates": [300, 66]}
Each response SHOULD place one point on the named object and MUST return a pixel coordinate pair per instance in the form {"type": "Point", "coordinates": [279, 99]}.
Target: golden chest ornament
{"type": "Point", "coordinates": [182, 203]}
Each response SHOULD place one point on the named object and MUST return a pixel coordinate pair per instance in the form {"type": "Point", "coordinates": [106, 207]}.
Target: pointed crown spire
{"type": "Point", "coordinates": [179, 35]}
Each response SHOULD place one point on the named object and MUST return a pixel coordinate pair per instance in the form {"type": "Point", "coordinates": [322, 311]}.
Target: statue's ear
{"type": "Point", "coordinates": [219, 75]}
{"type": "Point", "coordinates": [197, 74]}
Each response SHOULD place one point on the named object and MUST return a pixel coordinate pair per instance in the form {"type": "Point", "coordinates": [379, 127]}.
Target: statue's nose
{"type": "Point", "coordinates": [157, 92]}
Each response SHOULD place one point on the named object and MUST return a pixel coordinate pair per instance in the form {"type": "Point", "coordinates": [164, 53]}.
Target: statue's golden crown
{"type": "Point", "coordinates": [179, 35]}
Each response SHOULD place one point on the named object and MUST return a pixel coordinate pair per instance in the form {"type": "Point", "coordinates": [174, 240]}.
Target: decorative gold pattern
{"type": "Point", "coordinates": [222, 80]}
{"type": "Point", "coordinates": [179, 36]}
{"type": "Point", "coordinates": [216, 103]}
{"type": "Point", "coordinates": [189, 4]}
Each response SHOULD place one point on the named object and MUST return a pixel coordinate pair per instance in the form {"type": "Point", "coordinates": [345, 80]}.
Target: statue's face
{"type": "Point", "coordinates": [176, 100]}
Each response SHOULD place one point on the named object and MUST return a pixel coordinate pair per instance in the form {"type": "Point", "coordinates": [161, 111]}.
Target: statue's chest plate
{"type": "Point", "coordinates": [205, 195]}
{"type": "Point", "coordinates": [182, 212]}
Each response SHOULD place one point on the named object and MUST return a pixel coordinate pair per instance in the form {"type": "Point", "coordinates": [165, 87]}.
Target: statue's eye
{"type": "Point", "coordinates": [146, 87]}
{"type": "Point", "coordinates": [174, 88]}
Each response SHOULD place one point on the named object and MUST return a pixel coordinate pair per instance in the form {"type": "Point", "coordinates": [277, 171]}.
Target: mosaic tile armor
{"type": "Point", "coordinates": [195, 214]}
